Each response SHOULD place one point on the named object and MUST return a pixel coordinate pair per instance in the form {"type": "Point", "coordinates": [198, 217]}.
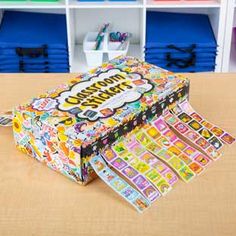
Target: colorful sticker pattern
{"type": "Point", "coordinates": [164, 150]}
{"type": "Point", "coordinates": [164, 170]}
{"type": "Point", "coordinates": [132, 174]}
{"type": "Point", "coordinates": [194, 159]}
{"type": "Point", "coordinates": [209, 129]}
{"type": "Point", "coordinates": [138, 157]}
{"type": "Point", "coordinates": [191, 133]}
{"type": "Point", "coordinates": [119, 185]}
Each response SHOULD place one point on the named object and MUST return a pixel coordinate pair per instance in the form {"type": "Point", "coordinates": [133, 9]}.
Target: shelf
{"type": "Point", "coordinates": [127, 17]}
{"type": "Point", "coordinates": [232, 63]}
{"type": "Point", "coordinates": [182, 4]}
{"type": "Point", "coordinates": [105, 4]}
{"type": "Point", "coordinates": [32, 5]}
{"type": "Point", "coordinates": [79, 62]}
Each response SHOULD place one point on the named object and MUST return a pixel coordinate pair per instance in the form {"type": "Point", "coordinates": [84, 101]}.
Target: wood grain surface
{"type": "Point", "coordinates": [37, 201]}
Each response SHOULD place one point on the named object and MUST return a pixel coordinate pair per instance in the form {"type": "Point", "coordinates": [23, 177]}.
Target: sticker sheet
{"type": "Point", "coordinates": [145, 167]}
{"type": "Point", "coordinates": [138, 150]}
{"type": "Point", "coordinates": [119, 185]}
{"type": "Point", "coordinates": [165, 151]}
{"type": "Point", "coordinates": [160, 131]}
{"type": "Point", "coordinates": [209, 131]}
{"type": "Point", "coordinates": [191, 134]}
{"type": "Point", "coordinates": [129, 172]}
{"type": "Point", "coordinates": [137, 178]}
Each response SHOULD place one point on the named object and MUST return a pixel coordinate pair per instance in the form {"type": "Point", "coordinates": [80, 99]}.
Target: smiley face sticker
{"type": "Point", "coordinates": [184, 117]}
{"type": "Point", "coordinates": [205, 133]}
{"type": "Point", "coordinates": [195, 125]}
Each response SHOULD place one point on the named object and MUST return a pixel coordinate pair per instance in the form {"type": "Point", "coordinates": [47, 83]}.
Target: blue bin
{"type": "Point", "coordinates": [31, 40]}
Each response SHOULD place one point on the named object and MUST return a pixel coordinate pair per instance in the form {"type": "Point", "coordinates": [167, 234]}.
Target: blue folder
{"type": "Point", "coordinates": [196, 64]}
{"type": "Point", "coordinates": [56, 70]}
{"type": "Point", "coordinates": [34, 66]}
{"type": "Point", "coordinates": [168, 48]}
{"type": "Point", "coordinates": [54, 53]}
{"type": "Point", "coordinates": [180, 29]}
{"type": "Point", "coordinates": [34, 40]}
{"type": "Point", "coordinates": [26, 29]}
{"type": "Point", "coordinates": [188, 69]}
{"type": "Point", "coordinates": [175, 52]}
{"type": "Point", "coordinates": [12, 61]}
{"type": "Point", "coordinates": [164, 57]}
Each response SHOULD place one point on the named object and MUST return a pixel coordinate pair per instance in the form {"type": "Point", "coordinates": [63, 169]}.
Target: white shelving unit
{"type": "Point", "coordinates": [129, 16]}
{"type": "Point", "coordinates": [229, 62]}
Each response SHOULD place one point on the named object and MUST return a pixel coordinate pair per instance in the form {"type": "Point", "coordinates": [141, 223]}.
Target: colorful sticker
{"type": "Point", "coordinates": [182, 152]}
{"type": "Point", "coordinates": [151, 193]}
{"type": "Point", "coordinates": [122, 166]}
{"type": "Point", "coordinates": [181, 127]}
{"type": "Point", "coordinates": [129, 172]}
{"type": "Point", "coordinates": [195, 137]}
{"type": "Point", "coordinates": [168, 151]}
{"type": "Point", "coordinates": [191, 135]}
{"type": "Point", "coordinates": [184, 117]}
{"type": "Point", "coordinates": [227, 138]}
{"type": "Point", "coordinates": [202, 160]}
{"type": "Point", "coordinates": [180, 144]}
{"type": "Point", "coordinates": [205, 133]}
{"type": "Point", "coordinates": [153, 132]}
{"type": "Point", "coordinates": [195, 167]}
{"type": "Point", "coordinates": [119, 163]}
{"type": "Point", "coordinates": [196, 117]}
{"type": "Point", "coordinates": [140, 169]}
{"type": "Point", "coordinates": [157, 169]}
{"type": "Point", "coordinates": [131, 195]}
{"type": "Point", "coordinates": [169, 134]}
{"type": "Point", "coordinates": [201, 142]}
{"type": "Point", "coordinates": [186, 173]}
{"type": "Point", "coordinates": [160, 125]}
{"type": "Point", "coordinates": [195, 125]}
{"type": "Point", "coordinates": [217, 131]}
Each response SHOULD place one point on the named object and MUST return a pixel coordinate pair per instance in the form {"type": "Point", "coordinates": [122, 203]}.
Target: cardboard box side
{"type": "Point", "coordinates": [43, 143]}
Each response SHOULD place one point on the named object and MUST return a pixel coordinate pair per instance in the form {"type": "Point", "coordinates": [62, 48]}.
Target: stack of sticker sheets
{"type": "Point", "coordinates": [147, 163]}
{"type": "Point", "coordinates": [180, 42]}
{"type": "Point", "coordinates": [33, 42]}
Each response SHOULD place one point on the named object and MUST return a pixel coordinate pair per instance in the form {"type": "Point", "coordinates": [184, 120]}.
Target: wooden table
{"type": "Point", "coordinates": [37, 201]}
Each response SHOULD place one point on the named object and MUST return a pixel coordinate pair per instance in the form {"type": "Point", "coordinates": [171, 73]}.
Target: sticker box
{"type": "Point", "coordinates": [65, 126]}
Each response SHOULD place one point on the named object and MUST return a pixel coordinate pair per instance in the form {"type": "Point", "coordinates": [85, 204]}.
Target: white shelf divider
{"type": "Point", "coordinates": [228, 62]}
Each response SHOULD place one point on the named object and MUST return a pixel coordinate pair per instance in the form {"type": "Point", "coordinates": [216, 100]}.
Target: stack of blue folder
{"type": "Point", "coordinates": [33, 42]}
{"type": "Point", "coordinates": [180, 42]}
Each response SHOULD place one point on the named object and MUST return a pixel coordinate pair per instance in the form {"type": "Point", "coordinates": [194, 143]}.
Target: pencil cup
{"type": "Point", "coordinates": [116, 49]}
{"type": "Point", "coordinates": [93, 57]}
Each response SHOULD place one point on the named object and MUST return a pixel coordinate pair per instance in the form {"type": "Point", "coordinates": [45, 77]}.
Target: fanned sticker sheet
{"type": "Point", "coordinates": [150, 160]}
{"type": "Point", "coordinates": [118, 184]}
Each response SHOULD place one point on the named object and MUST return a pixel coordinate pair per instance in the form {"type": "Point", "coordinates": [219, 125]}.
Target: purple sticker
{"type": "Point", "coordinates": [119, 163]}
{"type": "Point", "coordinates": [129, 172]}
{"type": "Point", "coordinates": [141, 182]}
{"type": "Point", "coordinates": [151, 193]}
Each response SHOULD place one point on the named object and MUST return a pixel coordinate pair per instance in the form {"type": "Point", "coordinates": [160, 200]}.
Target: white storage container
{"type": "Point", "coordinates": [116, 49]}
{"type": "Point", "coordinates": [93, 57]}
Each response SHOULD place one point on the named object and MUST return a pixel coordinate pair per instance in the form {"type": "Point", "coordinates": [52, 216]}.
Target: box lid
{"type": "Point", "coordinates": [94, 103]}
